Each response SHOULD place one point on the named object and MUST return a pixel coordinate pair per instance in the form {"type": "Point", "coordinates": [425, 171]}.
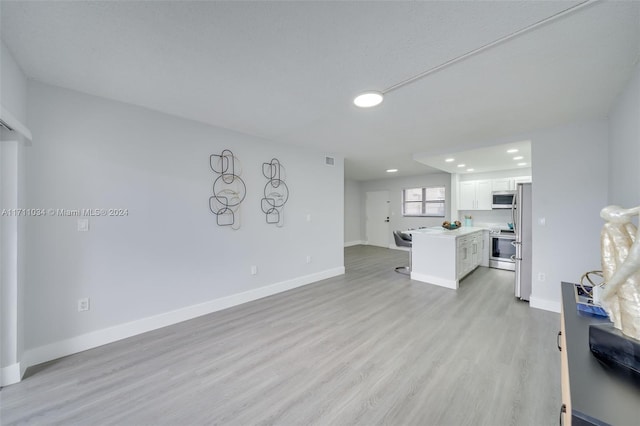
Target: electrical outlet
{"type": "Point", "coordinates": [542, 276]}
{"type": "Point", "coordinates": [254, 270]}
{"type": "Point", "coordinates": [308, 259]}
{"type": "Point", "coordinates": [83, 304]}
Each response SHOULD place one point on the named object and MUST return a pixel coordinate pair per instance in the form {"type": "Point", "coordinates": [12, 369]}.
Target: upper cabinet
{"type": "Point", "coordinates": [521, 179]}
{"type": "Point", "coordinates": [475, 195]}
{"type": "Point", "coordinates": [508, 184]}
{"type": "Point", "coordinates": [505, 184]}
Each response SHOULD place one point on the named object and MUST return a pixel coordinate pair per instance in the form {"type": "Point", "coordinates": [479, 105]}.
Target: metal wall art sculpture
{"type": "Point", "coordinates": [229, 189]}
{"type": "Point", "coordinates": [276, 192]}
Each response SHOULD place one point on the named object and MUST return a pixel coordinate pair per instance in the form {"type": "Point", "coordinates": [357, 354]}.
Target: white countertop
{"type": "Point", "coordinates": [439, 231]}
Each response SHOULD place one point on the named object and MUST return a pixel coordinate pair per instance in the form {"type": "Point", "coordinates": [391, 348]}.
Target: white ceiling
{"type": "Point", "coordinates": [288, 71]}
{"type": "Point", "coordinates": [515, 155]}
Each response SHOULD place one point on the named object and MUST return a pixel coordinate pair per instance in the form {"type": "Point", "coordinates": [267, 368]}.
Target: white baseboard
{"type": "Point", "coordinates": [395, 247]}
{"type": "Point", "coordinates": [354, 243]}
{"type": "Point", "coordinates": [439, 281]}
{"type": "Point", "coordinates": [544, 304]}
{"type": "Point", "coordinates": [10, 374]}
{"type": "Point", "coordinates": [122, 331]}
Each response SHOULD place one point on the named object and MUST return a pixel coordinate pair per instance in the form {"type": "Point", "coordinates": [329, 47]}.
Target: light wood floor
{"type": "Point", "coordinates": [370, 347]}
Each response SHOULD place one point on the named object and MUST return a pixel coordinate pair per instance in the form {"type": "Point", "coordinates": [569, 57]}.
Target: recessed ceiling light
{"type": "Point", "coordinates": [392, 170]}
{"type": "Point", "coordinates": [368, 99]}
{"type": "Point", "coordinates": [470, 170]}
{"type": "Point", "coordinates": [512, 151]}
{"type": "Point", "coordinates": [449, 160]}
{"type": "Point", "coordinates": [522, 164]}
{"type": "Point", "coordinates": [519, 157]}
{"type": "Point", "coordinates": [461, 165]}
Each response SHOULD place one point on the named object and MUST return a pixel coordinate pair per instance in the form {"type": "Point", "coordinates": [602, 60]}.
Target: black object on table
{"type": "Point", "coordinates": [613, 348]}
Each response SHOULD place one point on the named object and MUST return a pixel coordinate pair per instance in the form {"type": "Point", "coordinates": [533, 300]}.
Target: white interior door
{"type": "Point", "coordinates": [377, 211]}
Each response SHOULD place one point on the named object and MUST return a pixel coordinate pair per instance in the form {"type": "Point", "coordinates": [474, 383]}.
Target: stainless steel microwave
{"type": "Point", "coordinates": [502, 199]}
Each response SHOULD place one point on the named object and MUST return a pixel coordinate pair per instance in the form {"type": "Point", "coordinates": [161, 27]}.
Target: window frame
{"type": "Point", "coordinates": [424, 201]}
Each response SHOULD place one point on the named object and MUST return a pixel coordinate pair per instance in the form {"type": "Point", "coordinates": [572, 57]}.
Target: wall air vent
{"type": "Point", "coordinates": [329, 161]}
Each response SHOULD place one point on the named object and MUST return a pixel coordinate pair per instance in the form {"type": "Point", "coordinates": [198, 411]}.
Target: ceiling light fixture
{"type": "Point", "coordinates": [392, 170]}
{"type": "Point", "coordinates": [368, 99]}
{"type": "Point", "coordinates": [450, 160]}
{"type": "Point", "coordinates": [470, 170]}
{"type": "Point", "coordinates": [522, 164]}
{"type": "Point", "coordinates": [512, 151]}
{"type": "Point", "coordinates": [519, 157]}
{"type": "Point", "coordinates": [373, 98]}
{"type": "Point", "coordinates": [461, 165]}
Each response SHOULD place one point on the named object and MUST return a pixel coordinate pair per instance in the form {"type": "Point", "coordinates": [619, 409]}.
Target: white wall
{"type": "Point", "coordinates": [395, 187]}
{"type": "Point", "coordinates": [352, 213]}
{"type": "Point", "coordinates": [624, 146]}
{"type": "Point", "coordinates": [569, 190]}
{"type": "Point", "coordinates": [12, 228]}
{"type": "Point", "coordinates": [13, 85]}
{"type": "Point", "coordinates": [499, 217]}
{"type": "Point", "coordinates": [167, 257]}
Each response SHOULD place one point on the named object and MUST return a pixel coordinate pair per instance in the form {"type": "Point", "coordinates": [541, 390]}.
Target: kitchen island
{"type": "Point", "coordinates": [443, 257]}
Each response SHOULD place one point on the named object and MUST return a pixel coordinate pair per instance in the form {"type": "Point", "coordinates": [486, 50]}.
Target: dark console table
{"type": "Point", "coordinates": [592, 393]}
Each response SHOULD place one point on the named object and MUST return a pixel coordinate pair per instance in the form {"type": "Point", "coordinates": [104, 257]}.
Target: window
{"type": "Point", "coordinates": [423, 201]}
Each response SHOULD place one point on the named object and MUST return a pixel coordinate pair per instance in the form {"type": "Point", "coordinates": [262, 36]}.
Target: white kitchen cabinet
{"type": "Point", "coordinates": [474, 195]}
{"type": "Point", "coordinates": [521, 179]}
{"type": "Point", "coordinates": [443, 257]}
{"type": "Point", "coordinates": [505, 184]}
{"type": "Point", "coordinates": [486, 239]}
{"type": "Point", "coordinates": [508, 184]}
{"type": "Point", "coordinates": [483, 195]}
{"type": "Point", "coordinates": [476, 250]}
{"type": "Point", "coordinates": [464, 260]}
{"type": "Point", "coordinates": [467, 195]}
{"type": "Point", "coordinates": [469, 253]}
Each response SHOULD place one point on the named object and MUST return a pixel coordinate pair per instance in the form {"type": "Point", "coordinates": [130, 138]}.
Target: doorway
{"type": "Point", "coordinates": [377, 218]}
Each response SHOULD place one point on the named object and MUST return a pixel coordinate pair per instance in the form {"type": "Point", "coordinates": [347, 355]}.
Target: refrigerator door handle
{"type": "Point", "coordinates": [513, 211]}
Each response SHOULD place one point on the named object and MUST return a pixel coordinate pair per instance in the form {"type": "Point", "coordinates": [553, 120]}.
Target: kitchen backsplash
{"type": "Point", "coordinates": [487, 216]}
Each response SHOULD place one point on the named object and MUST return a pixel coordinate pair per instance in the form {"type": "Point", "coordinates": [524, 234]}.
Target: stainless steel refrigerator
{"type": "Point", "coordinates": [522, 219]}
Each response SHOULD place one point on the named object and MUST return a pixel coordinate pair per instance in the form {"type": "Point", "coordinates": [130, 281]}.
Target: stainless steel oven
{"type": "Point", "coordinates": [503, 250]}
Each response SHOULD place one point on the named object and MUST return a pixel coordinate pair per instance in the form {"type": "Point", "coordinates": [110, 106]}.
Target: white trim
{"type": "Point", "coordinates": [14, 123]}
{"type": "Point", "coordinates": [354, 243]}
{"type": "Point", "coordinates": [122, 331]}
{"type": "Point", "coordinates": [439, 281]}
{"type": "Point", "coordinates": [544, 304]}
{"type": "Point", "coordinates": [10, 374]}
{"type": "Point", "coordinates": [395, 247]}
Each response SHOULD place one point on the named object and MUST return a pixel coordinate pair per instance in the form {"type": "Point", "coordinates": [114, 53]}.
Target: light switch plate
{"type": "Point", "coordinates": [83, 304]}
{"type": "Point", "coordinates": [83, 225]}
